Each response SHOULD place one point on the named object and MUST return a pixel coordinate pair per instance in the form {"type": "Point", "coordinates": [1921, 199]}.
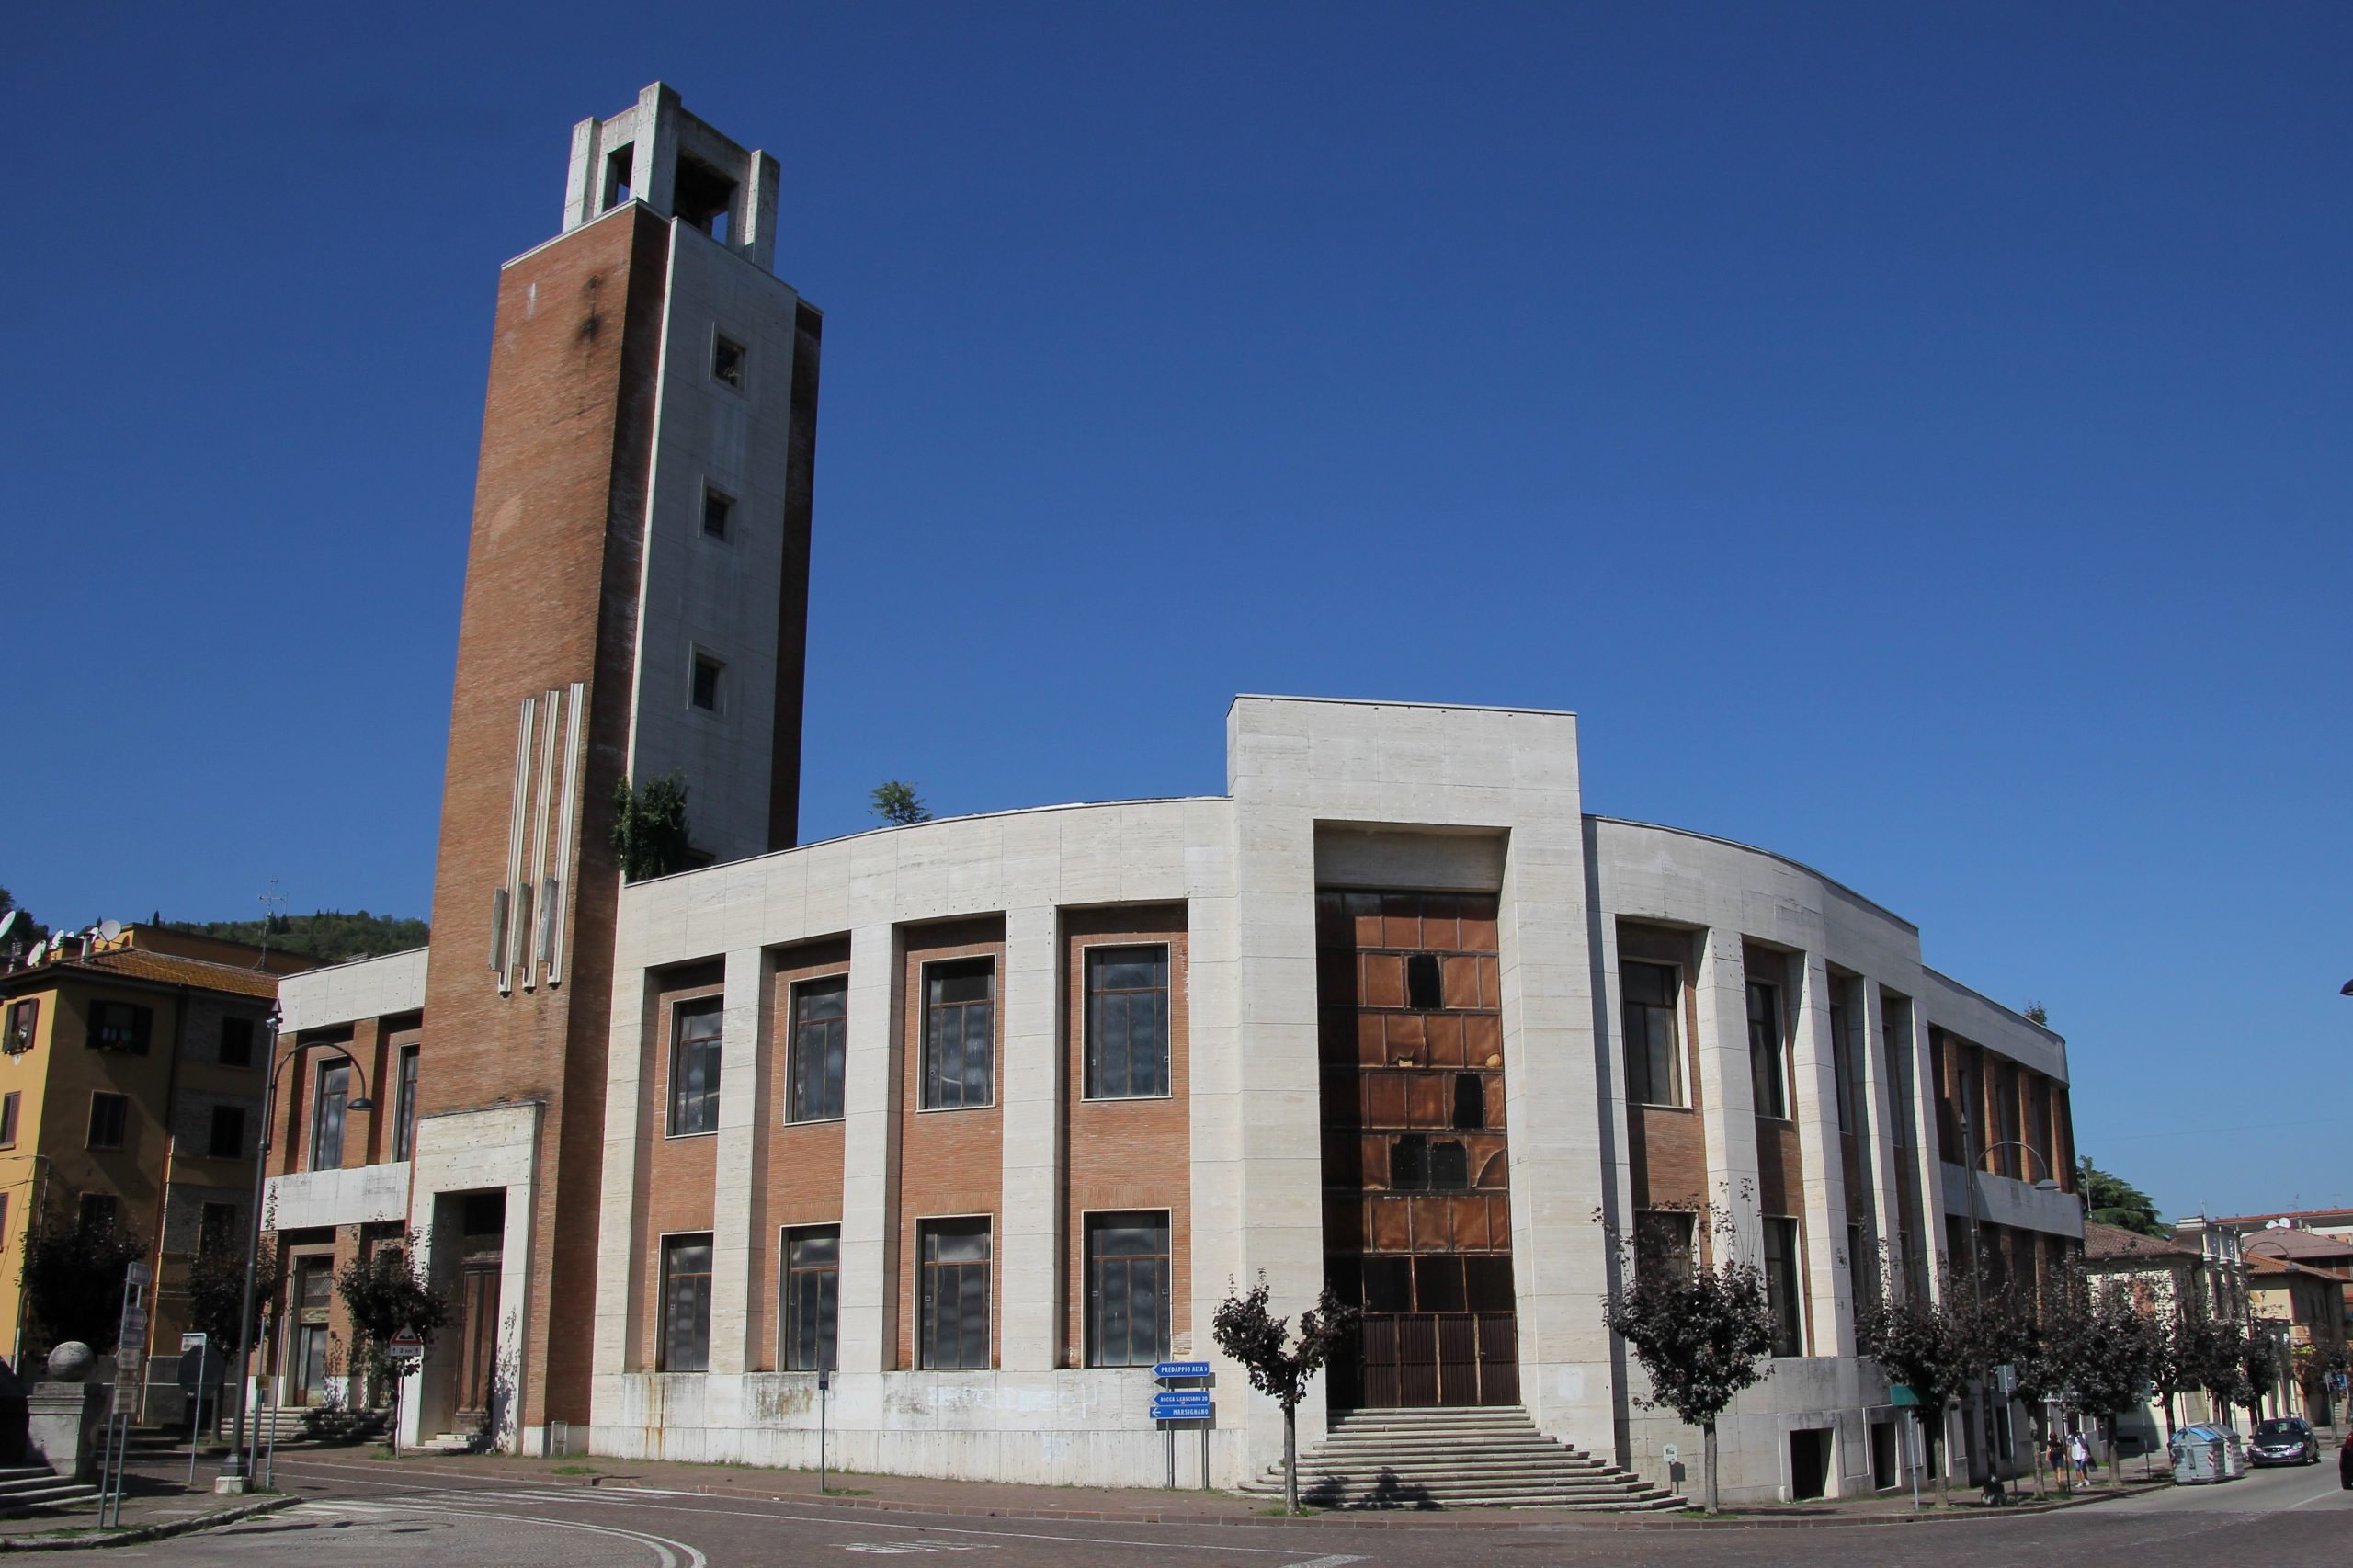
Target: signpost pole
{"type": "Point", "coordinates": [824, 1388]}
{"type": "Point", "coordinates": [196, 1405]}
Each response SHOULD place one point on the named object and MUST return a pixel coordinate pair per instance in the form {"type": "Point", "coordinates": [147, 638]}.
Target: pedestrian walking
{"type": "Point", "coordinates": [2055, 1450]}
{"type": "Point", "coordinates": [2080, 1452]}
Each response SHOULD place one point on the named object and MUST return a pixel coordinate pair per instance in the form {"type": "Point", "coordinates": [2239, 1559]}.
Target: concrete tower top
{"type": "Point", "coordinates": [654, 152]}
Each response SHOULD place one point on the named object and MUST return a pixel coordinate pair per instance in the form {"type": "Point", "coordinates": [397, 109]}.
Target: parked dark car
{"type": "Point", "coordinates": [2286, 1440]}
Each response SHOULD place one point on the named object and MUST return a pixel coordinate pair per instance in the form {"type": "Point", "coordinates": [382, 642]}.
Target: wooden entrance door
{"type": "Point", "coordinates": [477, 1337]}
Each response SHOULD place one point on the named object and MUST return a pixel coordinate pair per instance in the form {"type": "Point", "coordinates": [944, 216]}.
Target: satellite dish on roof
{"type": "Point", "coordinates": [39, 949]}
{"type": "Point", "coordinates": [9, 922]}
{"type": "Point", "coordinates": [110, 929]}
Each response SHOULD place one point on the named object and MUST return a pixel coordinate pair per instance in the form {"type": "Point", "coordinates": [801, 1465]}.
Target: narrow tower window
{"type": "Point", "coordinates": [716, 509]}
{"type": "Point", "coordinates": [1423, 992]}
{"type": "Point", "coordinates": [705, 695]}
{"type": "Point", "coordinates": [727, 361]}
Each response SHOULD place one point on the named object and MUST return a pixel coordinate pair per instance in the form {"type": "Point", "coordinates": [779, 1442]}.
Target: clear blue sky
{"type": "Point", "coordinates": [1914, 439]}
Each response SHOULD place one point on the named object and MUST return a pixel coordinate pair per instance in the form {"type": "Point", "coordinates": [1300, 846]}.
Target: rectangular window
{"type": "Point", "coordinates": [959, 1034]}
{"type": "Point", "coordinates": [216, 1230]}
{"type": "Point", "coordinates": [617, 169]}
{"type": "Point", "coordinates": [704, 692]}
{"type": "Point", "coordinates": [9, 1119]}
{"type": "Point", "coordinates": [1409, 1163]}
{"type": "Point", "coordinates": [716, 507]}
{"type": "Point", "coordinates": [326, 1122]}
{"type": "Point", "coordinates": [811, 1285]}
{"type": "Point", "coordinates": [1766, 1061]}
{"type": "Point", "coordinates": [109, 1121]}
{"type": "Point", "coordinates": [1663, 1244]}
{"type": "Point", "coordinates": [17, 1037]}
{"type": "Point", "coordinates": [820, 1044]}
{"type": "Point", "coordinates": [1842, 1063]}
{"type": "Point", "coordinates": [227, 1140]}
{"type": "Point", "coordinates": [1782, 1286]}
{"type": "Point", "coordinates": [99, 1213]}
{"type": "Point", "coordinates": [120, 1026]}
{"type": "Point", "coordinates": [694, 1066]}
{"type": "Point", "coordinates": [955, 1293]}
{"type": "Point", "coordinates": [1650, 996]}
{"type": "Point", "coordinates": [727, 360]}
{"type": "Point", "coordinates": [1127, 1023]}
{"type": "Point", "coordinates": [685, 1304]}
{"type": "Point", "coordinates": [1127, 1290]}
{"type": "Point", "coordinates": [1470, 1102]}
{"type": "Point", "coordinates": [405, 1104]}
{"type": "Point", "coordinates": [1424, 989]}
{"type": "Point", "coordinates": [236, 1042]}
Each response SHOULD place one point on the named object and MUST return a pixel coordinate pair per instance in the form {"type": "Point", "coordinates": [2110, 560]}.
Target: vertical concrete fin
{"type": "Point", "coordinates": [575, 704]}
{"type": "Point", "coordinates": [512, 934]}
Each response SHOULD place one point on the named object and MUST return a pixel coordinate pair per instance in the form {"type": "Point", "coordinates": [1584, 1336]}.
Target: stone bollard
{"type": "Point", "coordinates": [64, 1416]}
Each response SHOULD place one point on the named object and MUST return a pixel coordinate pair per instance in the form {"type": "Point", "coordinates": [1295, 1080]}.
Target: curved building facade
{"type": "Point", "coordinates": [959, 1129]}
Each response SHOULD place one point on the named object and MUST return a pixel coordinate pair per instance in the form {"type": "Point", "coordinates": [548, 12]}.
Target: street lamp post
{"type": "Point", "coordinates": [1977, 1254]}
{"type": "Point", "coordinates": [237, 1471]}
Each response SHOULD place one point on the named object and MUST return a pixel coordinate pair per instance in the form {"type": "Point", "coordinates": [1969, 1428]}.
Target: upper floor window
{"type": "Point", "coordinates": [16, 1034]}
{"type": "Point", "coordinates": [1127, 1022]}
{"type": "Point", "coordinates": [227, 1134]}
{"type": "Point", "coordinates": [217, 1230]}
{"type": "Point", "coordinates": [1781, 1292]}
{"type": "Point", "coordinates": [109, 1121]}
{"type": "Point", "coordinates": [9, 1119]}
{"type": "Point", "coordinates": [727, 360]}
{"type": "Point", "coordinates": [1425, 983]}
{"type": "Point", "coordinates": [685, 1304]}
{"type": "Point", "coordinates": [1127, 1290]}
{"type": "Point", "coordinates": [1768, 1063]}
{"type": "Point", "coordinates": [326, 1121]}
{"type": "Point", "coordinates": [717, 507]}
{"type": "Point", "coordinates": [236, 1042]}
{"type": "Point", "coordinates": [1650, 996]}
{"type": "Point", "coordinates": [405, 1104]}
{"type": "Point", "coordinates": [694, 1066]}
{"type": "Point", "coordinates": [812, 1258]}
{"type": "Point", "coordinates": [955, 1293]}
{"type": "Point", "coordinates": [99, 1213]}
{"type": "Point", "coordinates": [704, 691]}
{"type": "Point", "coordinates": [820, 1044]}
{"type": "Point", "coordinates": [959, 1034]}
{"type": "Point", "coordinates": [121, 1025]}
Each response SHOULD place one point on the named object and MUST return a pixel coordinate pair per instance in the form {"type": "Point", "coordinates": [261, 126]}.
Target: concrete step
{"type": "Point", "coordinates": [57, 1495]}
{"type": "Point", "coordinates": [1490, 1456]}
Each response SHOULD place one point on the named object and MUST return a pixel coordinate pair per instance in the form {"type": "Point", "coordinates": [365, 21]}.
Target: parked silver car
{"type": "Point", "coordinates": [2286, 1440]}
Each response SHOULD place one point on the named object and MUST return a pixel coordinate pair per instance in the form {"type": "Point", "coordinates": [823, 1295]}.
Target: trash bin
{"type": "Point", "coordinates": [2199, 1454]}
{"type": "Point", "coordinates": [2233, 1454]}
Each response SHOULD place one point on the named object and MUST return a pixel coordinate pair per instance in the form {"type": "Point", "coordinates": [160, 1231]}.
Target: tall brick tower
{"type": "Point", "coordinates": [635, 606]}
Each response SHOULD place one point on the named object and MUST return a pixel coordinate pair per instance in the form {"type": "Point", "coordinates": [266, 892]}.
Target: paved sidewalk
{"type": "Point", "coordinates": [993, 1500]}
{"type": "Point", "coordinates": [155, 1503]}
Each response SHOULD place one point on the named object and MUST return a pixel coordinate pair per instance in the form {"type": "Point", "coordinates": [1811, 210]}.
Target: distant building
{"type": "Point", "coordinates": [986, 1114]}
{"type": "Point", "coordinates": [130, 1073]}
{"type": "Point", "coordinates": [2299, 1267]}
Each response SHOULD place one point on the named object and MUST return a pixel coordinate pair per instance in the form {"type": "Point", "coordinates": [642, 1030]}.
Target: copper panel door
{"type": "Point", "coordinates": [477, 1338]}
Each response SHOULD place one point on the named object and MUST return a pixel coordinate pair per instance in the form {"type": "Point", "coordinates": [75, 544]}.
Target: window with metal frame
{"type": "Point", "coordinates": [686, 1303]}
{"type": "Point", "coordinates": [327, 1117]}
{"type": "Point", "coordinates": [24, 1016]}
{"type": "Point", "coordinates": [1664, 1242]}
{"type": "Point", "coordinates": [959, 1034]}
{"type": "Point", "coordinates": [1768, 1059]}
{"type": "Point", "coordinates": [96, 1213]}
{"type": "Point", "coordinates": [1650, 996]}
{"type": "Point", "coordinates": [236, 1042]}
{"type": "Point", "coordinates": [812, 1257]}
{"type": "Point", "coordinates": [727, 360]}
{"type": "Point", "coordinates": [955, 1255]}
{"type": "Point", "coordinates": [820, 1047]}
{"type": "Point", "coordinates": [109, 1121]}
{"type": "Point", "coordinates": [405, 1104]}
{"type": "Point", "coordinates": [1781, 1290]}
{"type": "Point", "coordinates": [8, 1103]}
{"type": "Point", "coordinates": [216, 1230]}
{"type": "Point", "coordinates": [1127, 1289]}
{"type": "Point", "coordinates": [694, 1066]}
{"type": "Point", "coordinates": [1127, 1022]}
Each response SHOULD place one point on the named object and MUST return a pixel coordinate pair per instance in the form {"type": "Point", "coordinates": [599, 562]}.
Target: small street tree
{"type": "Point", "coordinates": [73, 1277]}
{"type": "Point", "coordinates": [1259, 1342]}
{"type": "Point", "coordinates": [650, 828]}
{"type": "Point", "coordinates": [386, 1295]}
{"type": "Point", "coordinates": [2263, 1361]}
{"type": "Point", "coordinates": [1928, 1345]}
{"type": "Point", "coordinates": [2198, 1353]}
{"type": "Point", "coordinates": [216, 1287]}
{"type": "Point", "coordinates": [1701, 1331]}
{"type": "Point", "coordinates": [896, 803]}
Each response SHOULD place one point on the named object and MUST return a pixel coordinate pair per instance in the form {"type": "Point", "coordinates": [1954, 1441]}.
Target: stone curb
{"type": "Point", "coordinates": [144, 1533]}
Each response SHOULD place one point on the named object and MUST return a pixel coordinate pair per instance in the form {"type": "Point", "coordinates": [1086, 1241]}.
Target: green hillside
{"type": "Point", "coordinates": [330, 935]}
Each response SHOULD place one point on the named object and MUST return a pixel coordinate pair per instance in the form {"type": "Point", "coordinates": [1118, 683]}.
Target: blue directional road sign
{"type": "Point", "coordinates": [1181, 1369]}
{"type": "Point", "coordinates": [1181, 1404]}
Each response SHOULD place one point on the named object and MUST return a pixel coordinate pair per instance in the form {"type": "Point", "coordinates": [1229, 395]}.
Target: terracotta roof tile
{"type": "Point", "coordinates": [162, 969]}
{"type": "Point", "coordinates": [2114, 1241]}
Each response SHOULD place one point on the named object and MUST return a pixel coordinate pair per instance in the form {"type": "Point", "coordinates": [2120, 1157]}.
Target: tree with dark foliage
{"type": "Point", "coordinates": [73, 1277]}
{"type": "Point", "coordinates": [1250, 1336]}
{"type": "Point", "coordinates": [1701, 1331]}
{"type": "Point", "coordinates": [386, 1295]}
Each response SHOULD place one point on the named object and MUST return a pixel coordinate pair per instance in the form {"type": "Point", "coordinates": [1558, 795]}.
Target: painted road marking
{"type": "Point", "coordinates": [1324, 1563]}
{"type": "Point", "coordinates": [901, 1547]}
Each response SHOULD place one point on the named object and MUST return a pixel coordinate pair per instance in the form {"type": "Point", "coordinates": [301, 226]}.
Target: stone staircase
{"type": "Point", "coordinates": [32, 1489]}
{"type": "Point", "coordinates": [1456, 1458]}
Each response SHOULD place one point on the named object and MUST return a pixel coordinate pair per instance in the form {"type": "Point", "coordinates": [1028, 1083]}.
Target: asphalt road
{"type": "Point", "coordinates": [353, 1516]}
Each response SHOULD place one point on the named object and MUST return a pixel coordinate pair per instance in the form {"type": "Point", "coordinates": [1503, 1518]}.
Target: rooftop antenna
{"type": "Point", "coordinates": [272, 904]}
